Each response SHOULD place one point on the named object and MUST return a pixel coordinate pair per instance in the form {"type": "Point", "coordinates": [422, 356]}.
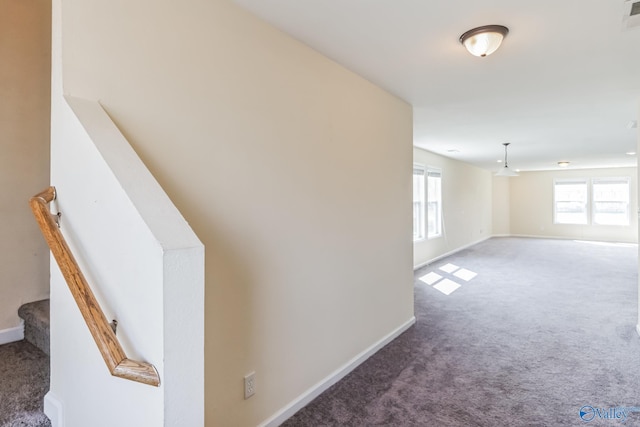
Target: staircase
{"type": "Point", "coordinates": [24, 370]}
{"type": "Point", "coordinates": [36, 323]}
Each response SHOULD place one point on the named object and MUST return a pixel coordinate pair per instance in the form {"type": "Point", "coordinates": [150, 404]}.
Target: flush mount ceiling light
{"type": "Point", "coordinates": [505, 171]}
{"type": "Point", "coordinates": [563, 164]}
{"type": "Point", "coordinates": [485, 40]}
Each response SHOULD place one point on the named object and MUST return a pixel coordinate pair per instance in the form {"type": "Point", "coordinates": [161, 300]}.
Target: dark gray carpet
{"type": "Point", "coordinates": [547, 327]}
{"type": "Point", "coordinates": [24, 380]}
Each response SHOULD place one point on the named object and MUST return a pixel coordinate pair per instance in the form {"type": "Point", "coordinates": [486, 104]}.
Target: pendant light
{"type": "Point", "coordinates": [483, 41]}
{"type": "Point", "coordinates": [505, 171]}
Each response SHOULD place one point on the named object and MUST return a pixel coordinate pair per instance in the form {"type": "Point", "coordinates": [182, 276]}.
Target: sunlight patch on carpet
{"type": "Point", "coordinates": [620, 245]}
{"type": "Point", "coordinates": [430, 278]}
{"type": "Point", "coordinates": [449, 268]}
{"type": "Point", "coordinates": [465, 274]}
{"type": "Point", "coordinates": [446, 286]}
{"type": "Point", "coordinates": [446, 282]}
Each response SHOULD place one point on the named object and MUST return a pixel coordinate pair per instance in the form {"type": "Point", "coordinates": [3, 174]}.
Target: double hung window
{"type": "Point", "coordinates": [610, 201]}
{"type": "Point", "coordinates": [570, 201]}
{"type": "Point", "coordinates": [419, 195]}
{"type": "Point", "coordinates": [434, 202]}
{"type": "Point", "coordinates": [599, 201]}
{"type": "Point", "coordinates": [427, 202]}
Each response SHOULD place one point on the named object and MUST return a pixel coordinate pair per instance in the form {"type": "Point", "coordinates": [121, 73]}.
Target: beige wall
{"type": "Point", "coordinates": [501, 206]}
{"type": "Point", "coordinates": [637, 213]}
{"type": "Point", "coordinates": [24, 139]}
{"type": "Point", "coordinates": [466, 206]}
{"type": "Point", "coordinates": [294, 172]}
{"type": "Point", "coordinates": [531, 196]}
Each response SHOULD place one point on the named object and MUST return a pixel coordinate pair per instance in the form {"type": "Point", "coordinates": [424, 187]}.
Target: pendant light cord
{"type": "Point", "coordinates": [506, 164]}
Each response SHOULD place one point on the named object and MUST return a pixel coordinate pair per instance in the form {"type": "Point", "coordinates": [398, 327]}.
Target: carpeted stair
{"type": "Point", "coordinates": [36, 323]}
{"type": "Point", "coordinates": [24, 371]}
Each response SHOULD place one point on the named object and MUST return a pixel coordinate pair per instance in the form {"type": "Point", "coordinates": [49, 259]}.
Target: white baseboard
{"type": "Point", "coordinates": [540, 236]}
{"type": "Point", "coordinates": [306, 397]}
{"type": "Point", "coordinates": [53, 410]}
{"type": "Point", "coordinates": [12, 334]}
{"type": "Point", "coordinates": [577, 239]}
{"type": "Point", "coordinates": [432, 260]}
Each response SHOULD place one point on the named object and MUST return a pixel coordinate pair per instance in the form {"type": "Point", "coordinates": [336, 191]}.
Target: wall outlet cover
{"type": "Point", "coordinates": [249, 385]}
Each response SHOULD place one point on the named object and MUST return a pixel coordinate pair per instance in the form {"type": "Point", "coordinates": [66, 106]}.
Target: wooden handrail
{"type": "Point", "coordinates": [112, 353]}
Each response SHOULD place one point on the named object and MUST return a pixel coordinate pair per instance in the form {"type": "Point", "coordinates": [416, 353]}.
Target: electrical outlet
{"type": "Point", "coordinates": [249, 385]}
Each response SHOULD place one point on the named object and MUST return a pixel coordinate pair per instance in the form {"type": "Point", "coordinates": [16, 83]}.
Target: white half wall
{"type": "Point", "coordinates": [466, 207]}
{"type": "Point", "coordinates": [144, 264]}
{"type": "Point", "coordinates": [147, 270]}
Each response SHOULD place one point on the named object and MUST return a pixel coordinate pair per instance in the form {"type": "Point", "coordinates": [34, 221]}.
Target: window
{"type": "Point", "coordinates": [608, 201]}
{"type": "Point", "coordinates": [611, 201]}
{"type": "Point", "coordinates": [418, 202]}
{"type": "Point", "coordinates": [434, 202]}
{"type": "Point", "coordinates": [570, 201]}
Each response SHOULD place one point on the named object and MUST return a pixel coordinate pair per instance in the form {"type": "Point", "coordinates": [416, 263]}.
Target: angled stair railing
{"type": "Point", "coordinates": [112, 353]}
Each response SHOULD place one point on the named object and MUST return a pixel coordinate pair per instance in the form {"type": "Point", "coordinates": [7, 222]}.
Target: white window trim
{"type": "Point", "coordinates": [577, 180]}
{"type": "Point", "coordinates": [590, 204]}
{"type": "Point", "coordinates": [593, 205]}
{"type": "Point", "coordinates": [426, 187]}
{"type": "Point", "coordinates": [423, 168]}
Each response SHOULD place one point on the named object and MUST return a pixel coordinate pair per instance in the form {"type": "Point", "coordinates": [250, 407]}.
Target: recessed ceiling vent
{"type": "Point", "coordinates": [631, 16]}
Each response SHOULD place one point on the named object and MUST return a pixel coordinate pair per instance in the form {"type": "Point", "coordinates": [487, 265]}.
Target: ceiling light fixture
{"type": "Point", "coordinates": [563, 164]}
{"type": "Point", "coordinates": [631, 153]}
{"type": "Point", "coordinates": [505, 171]}
{"type": "Point", "coordinates": [485, 40]}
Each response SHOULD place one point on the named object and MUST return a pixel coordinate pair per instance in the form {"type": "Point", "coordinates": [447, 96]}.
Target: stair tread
{"type": "Point", "coordinates": [36, 313]}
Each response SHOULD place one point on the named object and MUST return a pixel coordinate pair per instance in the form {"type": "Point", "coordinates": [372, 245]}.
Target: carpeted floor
{"type": "Point", "coordinates": [544, 335]}
{"type": "Point", "coordinates": [24, 380]}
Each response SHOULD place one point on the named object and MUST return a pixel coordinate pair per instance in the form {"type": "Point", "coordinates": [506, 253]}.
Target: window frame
{"type": "Point", "coordinates": [422, 213]}
{"type": "Point", "coordinates": [590, 203]}
{"type": "Point", "coordinates": [439, 219]}
{"type": "Point", "coordinates": [616, 179]}
{"type": "Point", "coordinates": [587, 202]}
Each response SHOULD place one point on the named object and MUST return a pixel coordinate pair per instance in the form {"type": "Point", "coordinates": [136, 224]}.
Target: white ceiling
{"type": "Point", "coordinates": [563, 86]}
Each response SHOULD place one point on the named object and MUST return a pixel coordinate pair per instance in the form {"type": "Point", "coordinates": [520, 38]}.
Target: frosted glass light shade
{"type": "Point", "coordinates": [483, 41]}
{"type": "Point", "coordinates": [505, 171]}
